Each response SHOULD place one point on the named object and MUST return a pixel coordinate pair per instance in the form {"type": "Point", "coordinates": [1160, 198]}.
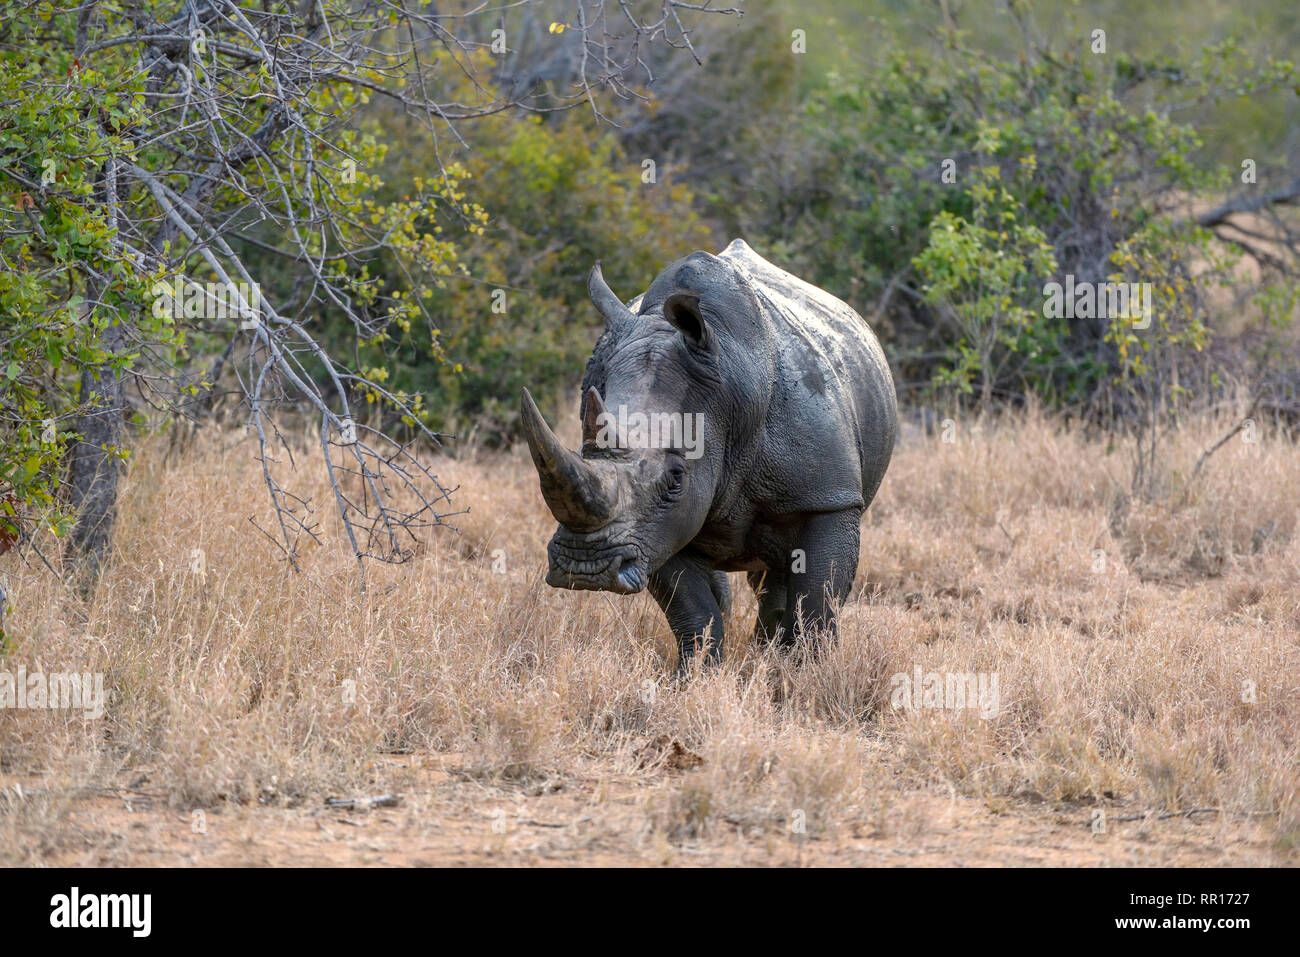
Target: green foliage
{"type": "Point", "coordinates": [1160, 249]}
{"type": "Point", "coordinates": [882, 202]}
{"type": "Point", "coordinates": [558, 196]}
{"type": "Point", "coordinates": [65, 278]}
{"type": "Point", "coordinates": [85, 150]}
{"type": "Point", "coordinates": [985, 275]}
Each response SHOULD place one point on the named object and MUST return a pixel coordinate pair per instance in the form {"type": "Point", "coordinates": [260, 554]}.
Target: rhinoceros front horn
{"type": "Point", "coordinates": [607, 304]}
{"type": "Point", "coordinates": [572, 488]}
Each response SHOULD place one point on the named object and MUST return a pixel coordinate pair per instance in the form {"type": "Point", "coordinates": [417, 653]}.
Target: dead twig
{"type": "Point", "coordinates": [1250, 414]}
{"type": "Point", "coordinates": [1191, 812]}
{"type": "Point", "coordinates": [381, 800]}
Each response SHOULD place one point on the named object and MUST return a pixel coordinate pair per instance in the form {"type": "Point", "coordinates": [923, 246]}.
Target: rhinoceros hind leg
{"type": "Point", "coordinates": [829, 541]}
{"type": "Point", "coordinates": [684, 588]}
{"type": "Point", "coordinates": [770, 586]}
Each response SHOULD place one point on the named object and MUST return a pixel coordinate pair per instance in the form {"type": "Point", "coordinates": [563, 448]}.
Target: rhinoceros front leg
{"type": "Point", "coordinates": [693, 597]}
{"type": "Point", "coordinates": [822, 570]}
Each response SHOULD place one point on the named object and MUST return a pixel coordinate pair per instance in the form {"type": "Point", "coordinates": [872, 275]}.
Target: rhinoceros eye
{"type": "Point", "coordinates": [673, 481]}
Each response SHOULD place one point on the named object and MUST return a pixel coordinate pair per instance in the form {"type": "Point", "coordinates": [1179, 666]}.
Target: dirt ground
{"type": "Point", "coordinates": [597, 819]}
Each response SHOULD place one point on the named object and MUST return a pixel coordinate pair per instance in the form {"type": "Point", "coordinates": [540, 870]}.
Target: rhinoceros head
{"type": "Point", "coordinates": [665, 395]}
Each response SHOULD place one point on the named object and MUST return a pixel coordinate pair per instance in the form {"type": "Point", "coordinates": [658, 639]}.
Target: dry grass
{"type": "Point", "coordinates": [1124, 639]}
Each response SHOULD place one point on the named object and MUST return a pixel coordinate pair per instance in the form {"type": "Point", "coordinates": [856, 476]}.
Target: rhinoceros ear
{"type": "Point", "coordinates": [682, 309]}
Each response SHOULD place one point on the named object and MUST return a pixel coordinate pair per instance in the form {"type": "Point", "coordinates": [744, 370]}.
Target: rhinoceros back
{"type": "Point", "coordinates": [833, 421]}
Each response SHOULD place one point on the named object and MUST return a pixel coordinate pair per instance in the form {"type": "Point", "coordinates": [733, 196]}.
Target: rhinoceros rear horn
{"type": "Point", "coordinates": [572, 488]}
{"type": "Point", "coordinates": [596, 419]}
{"type": "Point", "coordinates": [607, 304]}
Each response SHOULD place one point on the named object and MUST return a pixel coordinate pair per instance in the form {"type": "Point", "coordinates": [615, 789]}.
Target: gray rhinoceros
{"type": "Point", "coordinates": [735, 418]}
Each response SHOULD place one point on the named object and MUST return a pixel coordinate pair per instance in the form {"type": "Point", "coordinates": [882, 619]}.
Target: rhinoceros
{"type": "Point", "coordinates": [734, 418]}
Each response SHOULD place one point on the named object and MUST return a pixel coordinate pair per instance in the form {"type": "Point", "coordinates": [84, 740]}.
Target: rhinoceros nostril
{"type": "Point", "coordinates": [631, 578]}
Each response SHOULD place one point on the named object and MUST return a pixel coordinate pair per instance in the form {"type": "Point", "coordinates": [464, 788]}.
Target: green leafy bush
{"type": "Point", "coordinates": [558, 195]}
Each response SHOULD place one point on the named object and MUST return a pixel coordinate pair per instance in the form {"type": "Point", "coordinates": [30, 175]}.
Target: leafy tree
{"type": "Point", "coordinates": [1094, 148]}
{"type": "Point", "coordinates": [558, 194]}
{"type": "Point", "coordinates": [985, 276]}
{"type": "Point", "coordinates": [149, 149]}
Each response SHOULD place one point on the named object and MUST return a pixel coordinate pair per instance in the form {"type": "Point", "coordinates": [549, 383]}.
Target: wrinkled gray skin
{"type": "Point", "coordinates": [800, 420]}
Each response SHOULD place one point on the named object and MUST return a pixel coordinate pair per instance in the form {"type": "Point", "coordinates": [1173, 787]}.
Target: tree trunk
{"type": "Point", "coordinates": [94, 469]}
{"type": "Point", "coordinates": [986, 386]}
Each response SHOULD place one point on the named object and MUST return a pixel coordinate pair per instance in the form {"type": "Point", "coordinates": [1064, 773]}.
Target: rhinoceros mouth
{"type": "Point", "coordinates": [594, 563]}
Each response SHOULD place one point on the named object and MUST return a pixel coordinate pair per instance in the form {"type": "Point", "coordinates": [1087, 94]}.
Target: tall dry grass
{"type": "Point", "coordinates": [1126, 638]}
